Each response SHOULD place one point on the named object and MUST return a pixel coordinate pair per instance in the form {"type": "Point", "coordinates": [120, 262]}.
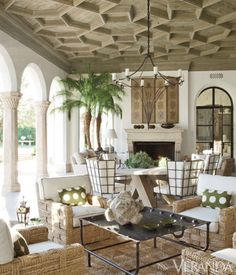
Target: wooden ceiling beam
{"type": "Point", "coordinates": [195, 3]}
{"type": "Point", "coordinates": [207, 3]}
{"type": "Point", "coordinates": [20, 11]}
{"type": "Point", "coordinates": [75, 24]}
{"type": "Point", "coordinates": [64, 2]}
{"type": "Point", "coordinates": [8, 3]}
{"type": "Point", "coordinates": [159, 13]}
{"type": "Point", "coordinates": [226, 18]}
{"type": "Point", "coordinates": [88, 7]}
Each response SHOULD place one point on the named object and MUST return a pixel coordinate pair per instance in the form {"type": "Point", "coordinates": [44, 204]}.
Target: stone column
{"type": "Point", "coordinates": [41, 137]}
{"type": "Point", "coordinates": [10, 102]}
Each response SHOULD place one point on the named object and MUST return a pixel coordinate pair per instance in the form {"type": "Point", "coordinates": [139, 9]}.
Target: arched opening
{"type": "Point", "coordinates": [214, 123]}
{"type": "Point", "coordinates": [8, 83]}
{"type": "Point", "coordinates": [56, 130]}
{"type": "Point", "coordinates": [33, 89]}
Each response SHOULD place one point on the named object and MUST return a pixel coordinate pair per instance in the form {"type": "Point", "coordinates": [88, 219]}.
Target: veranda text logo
{"type": "Point", "coordinates": [203, 267]}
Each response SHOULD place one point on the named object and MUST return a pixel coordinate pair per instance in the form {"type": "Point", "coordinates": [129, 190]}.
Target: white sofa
{"type": "Point", "coordinates": [63, 220]}
{"type": "Point", "coordinates": [223, 221]}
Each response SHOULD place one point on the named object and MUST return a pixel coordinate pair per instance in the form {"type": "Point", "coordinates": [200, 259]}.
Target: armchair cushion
{"type": "Point", "coordinates": [6, 251]}
{"type": "Point", "coordinates": [228, 254]}
{"type": "Point", "coordinates": [207, 214]}
{"type": "Point", "coordinates": [86, 210]}
{"type": "Point", "coordinates": [216, 199]}
{"type": "Point", "coordinates": [43, 246]}
{"type": "Point", "coordinates": [73, 195]}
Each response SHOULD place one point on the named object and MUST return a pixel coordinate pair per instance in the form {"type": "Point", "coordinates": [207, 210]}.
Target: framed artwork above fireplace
{"type": "Point", "coordinates": [165, 109]}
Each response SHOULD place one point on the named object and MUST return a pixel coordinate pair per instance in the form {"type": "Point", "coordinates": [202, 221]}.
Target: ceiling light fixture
{"type": "Point", "coordinates": [149, 100]}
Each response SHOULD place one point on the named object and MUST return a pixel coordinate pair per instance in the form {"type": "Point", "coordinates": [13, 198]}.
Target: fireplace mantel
{"type": "Point", "coordinates": [158, 135]}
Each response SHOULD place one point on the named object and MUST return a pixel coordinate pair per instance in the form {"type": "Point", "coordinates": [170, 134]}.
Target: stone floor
{"type": "Point", "coordinates": [124, 255]}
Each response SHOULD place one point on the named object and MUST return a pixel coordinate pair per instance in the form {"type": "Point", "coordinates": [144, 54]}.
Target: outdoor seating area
{"type": "Point", "coordinates": [117, 137]}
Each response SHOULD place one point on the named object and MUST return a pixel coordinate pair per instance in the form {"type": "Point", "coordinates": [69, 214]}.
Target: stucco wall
{"type": "Point", "coordinates": [194, 83]}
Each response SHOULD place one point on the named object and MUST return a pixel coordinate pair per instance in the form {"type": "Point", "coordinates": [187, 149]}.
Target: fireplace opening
{"type": "Point", "coordinates": [155, 150]}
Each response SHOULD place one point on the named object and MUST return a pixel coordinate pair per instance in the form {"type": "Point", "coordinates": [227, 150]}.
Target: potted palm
{"type": "Point", "coordinates": [96, 94]}
{"type": "Point", "coordinates": [107, 97]}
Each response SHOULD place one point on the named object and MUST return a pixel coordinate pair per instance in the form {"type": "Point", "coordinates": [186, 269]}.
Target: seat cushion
{"type": "Point", "coordinates": [206, 214]}
{"type": "Point", "coordinates": [87, 210]}
{"type": "Point", "coordinates": [6, 249]}
{"type": "Point", "coordinates": [43, 246]}
{"type": "Point", "coordinates": [228, 254]}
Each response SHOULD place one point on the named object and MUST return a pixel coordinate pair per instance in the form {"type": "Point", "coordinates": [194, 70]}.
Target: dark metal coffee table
{"type": "Point", "coordinates": [138, 233]}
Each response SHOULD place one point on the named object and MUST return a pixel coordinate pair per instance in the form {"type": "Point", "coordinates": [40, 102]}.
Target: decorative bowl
{"type": "Point", "coordinates": [168, 221]}
{"type": "Point", "coordinates": [150, 226]}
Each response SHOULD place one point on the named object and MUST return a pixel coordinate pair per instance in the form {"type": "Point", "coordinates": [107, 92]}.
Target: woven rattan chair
{"type": "Point", "coordinates": [226, 217]}
{"type": "Point", "coordinates": [102, 175]}
{"type": "Point", "coordinates": [195, 262]}
{"type": "Point", "coordinates": [182, 178]}
{"type": "Point", "coordinates": [59, 218]}
{"type": "Point", "coordinates": [61, 261]}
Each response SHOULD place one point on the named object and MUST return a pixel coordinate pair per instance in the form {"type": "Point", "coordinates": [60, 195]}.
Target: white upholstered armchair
{"type": "Point", "coordinates": [223, 221]}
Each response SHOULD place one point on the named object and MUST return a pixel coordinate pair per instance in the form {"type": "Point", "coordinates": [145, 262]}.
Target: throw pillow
{"type": "Point", "coordinates": [73, 195]}
{"type": "Point", "coordinates": [6, 251]}
{"type": "Point", "coordinates": [20, 244]}
{"type": "Point", "coordinates": [216, 199]}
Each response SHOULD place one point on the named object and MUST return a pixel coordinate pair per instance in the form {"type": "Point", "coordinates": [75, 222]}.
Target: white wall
{"type": "Point", "coordinates": [199, 81]}
{"type": "Point", "coordinates": [120, 125]}
{"type": "Point", "coordinates": [194, 83]}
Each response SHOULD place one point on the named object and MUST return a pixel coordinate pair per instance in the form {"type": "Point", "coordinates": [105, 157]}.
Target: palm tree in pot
{"type": "Point", "coordinates": [93, 92]}
{"type": "Point", "coordinates": [107, 97]}
{"type": "Point", "coordinates": [79, 92]}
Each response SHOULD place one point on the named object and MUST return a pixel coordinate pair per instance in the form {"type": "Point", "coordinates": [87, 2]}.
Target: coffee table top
{"type": "Point", "coordinates": [152, 217]}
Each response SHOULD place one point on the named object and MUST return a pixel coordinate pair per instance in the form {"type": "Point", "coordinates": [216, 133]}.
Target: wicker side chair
{"type": "Point", "coordinates": [61, 261]}
{"type": "Point", "coordinates": [195, 262]}
{"type": "Point", "coordinates": [59, 218]}
{"type": "Point", "coordinates": [182, 179]}
{"type": "Point", "coordinates": [102, 175]}
{"type": "Point", "coordinates": [211, 164]}
{"type": "Point", "coordinates": [226, 216]}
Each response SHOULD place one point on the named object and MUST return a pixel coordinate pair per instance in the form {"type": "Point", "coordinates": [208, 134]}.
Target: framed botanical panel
{"type": "Point", "coordinates": [136, 104]}
{"type": "Point", "coordinates": [167, 106]}
{"type": "Point", "coordinates": [156, 103]}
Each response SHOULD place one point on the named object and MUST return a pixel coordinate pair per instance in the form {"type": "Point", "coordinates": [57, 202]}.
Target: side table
{"type": "Point", "coordinates": [23, 214]}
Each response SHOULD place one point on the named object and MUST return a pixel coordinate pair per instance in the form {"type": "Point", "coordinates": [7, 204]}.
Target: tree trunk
{"type": "Point", "coordinates": [98, 128]}
{"type": "Point", "coordinates": [87, 121]}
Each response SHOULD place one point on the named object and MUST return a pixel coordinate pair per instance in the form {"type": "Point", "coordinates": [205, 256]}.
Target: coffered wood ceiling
{"type": "Point", "coordinates": [111, 35]}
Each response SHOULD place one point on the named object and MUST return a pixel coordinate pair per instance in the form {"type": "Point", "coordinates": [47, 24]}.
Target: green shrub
{"type": "Point", "coordinates": [140, 160]}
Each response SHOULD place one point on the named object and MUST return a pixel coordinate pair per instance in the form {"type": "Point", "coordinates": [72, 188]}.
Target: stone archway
{"type": "Point", "coordinates": [37, 91]}
{"type": "Point", "coordinates": [10, 99]}
{"type": "Point", "coordinates": [57, 131]}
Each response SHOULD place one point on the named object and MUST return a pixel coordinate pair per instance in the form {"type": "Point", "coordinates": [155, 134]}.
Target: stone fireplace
{"type": "Point", "coordinates": [156, 142]}
{"type": "Point", "coordinates": [155, 150]}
